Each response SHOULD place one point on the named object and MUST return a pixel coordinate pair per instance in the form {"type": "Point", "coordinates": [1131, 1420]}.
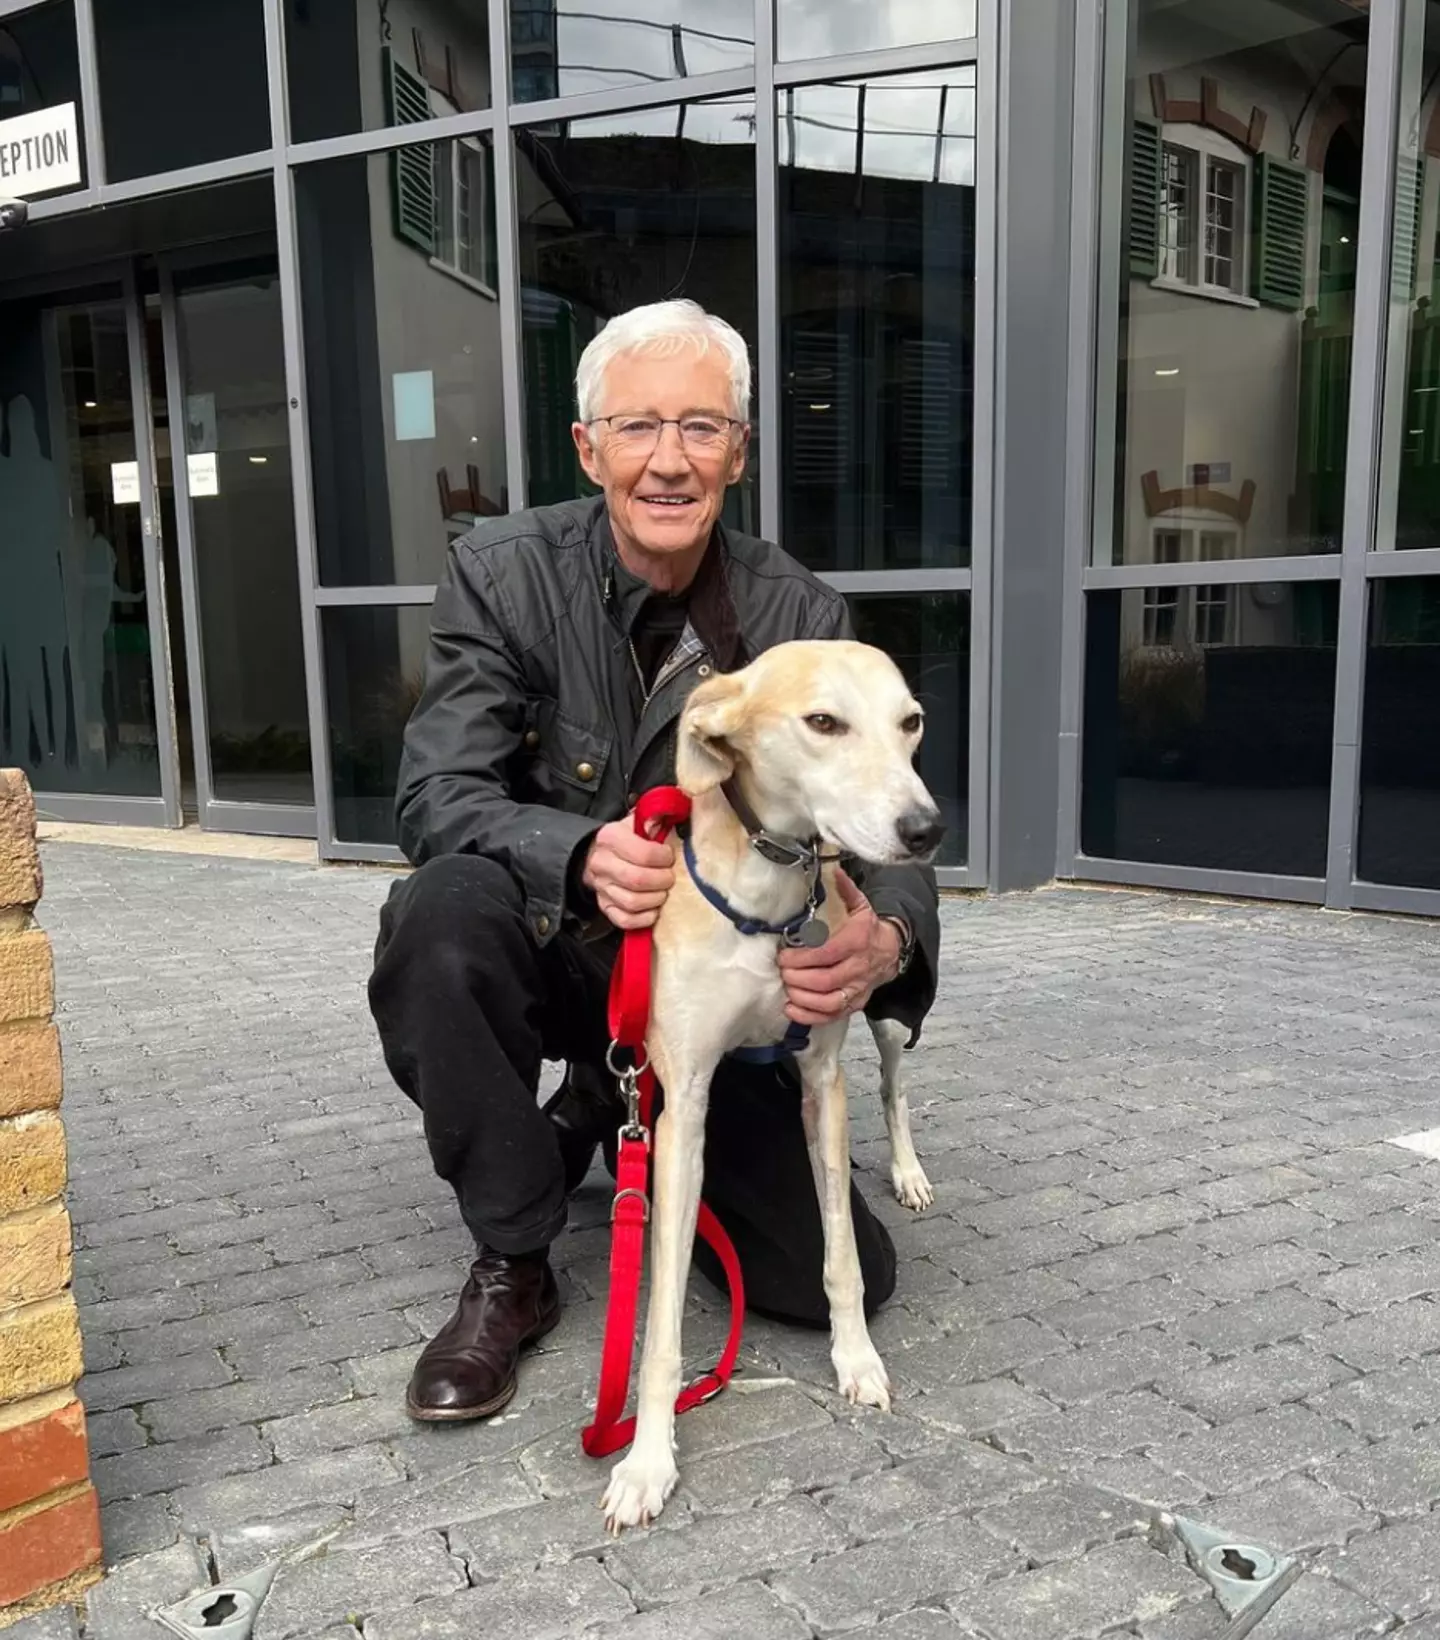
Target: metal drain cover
{"type": "Point", "coordinates": [1247, 1578]}
{"type": "Point", "coordinates": [224, 1612]}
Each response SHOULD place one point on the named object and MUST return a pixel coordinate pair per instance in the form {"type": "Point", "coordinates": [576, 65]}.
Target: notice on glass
{"type": "Point", "coordinates": [414, 404]}
{"type": "Point", "coordinates": [203, 471]}
{"type": "Point", "coordinates": [125, 483]}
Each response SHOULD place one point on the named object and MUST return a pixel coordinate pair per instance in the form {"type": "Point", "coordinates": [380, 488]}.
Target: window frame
{"type": "Point", "coordinates": [480, 211]}
{"type": "Point", "coordinates": [1202, 150]}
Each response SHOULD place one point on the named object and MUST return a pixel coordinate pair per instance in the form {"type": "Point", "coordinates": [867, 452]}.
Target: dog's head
{"type": "Point", "coordinates": [823, 737]}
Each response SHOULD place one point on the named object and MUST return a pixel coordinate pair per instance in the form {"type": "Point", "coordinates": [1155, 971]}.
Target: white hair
{"type": "Point", "coordinates": [662, 329]}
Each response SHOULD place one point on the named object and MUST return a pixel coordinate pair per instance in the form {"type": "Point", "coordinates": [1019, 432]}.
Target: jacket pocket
{"type": "Point", "coordinates": [571, 759]}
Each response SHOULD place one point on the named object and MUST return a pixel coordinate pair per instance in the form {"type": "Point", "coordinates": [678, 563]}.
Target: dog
{"type": "Point", "coordinates": [808, 749]}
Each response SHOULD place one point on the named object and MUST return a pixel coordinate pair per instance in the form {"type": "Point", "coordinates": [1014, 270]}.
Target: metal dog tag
{"type": "Point", "coordinates": [811, 934]}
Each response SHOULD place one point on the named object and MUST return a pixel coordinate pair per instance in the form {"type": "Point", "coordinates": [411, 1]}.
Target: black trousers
{"type": "Point", "coordinates": [467, 1007]}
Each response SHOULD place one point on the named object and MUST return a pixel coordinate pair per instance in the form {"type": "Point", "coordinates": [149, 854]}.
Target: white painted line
{"type": "Point", "coordinates": [1427, 1143]}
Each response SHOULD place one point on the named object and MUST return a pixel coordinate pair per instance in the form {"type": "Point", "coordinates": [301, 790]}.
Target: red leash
{"type": "Point", "coordinates": [656, 815]}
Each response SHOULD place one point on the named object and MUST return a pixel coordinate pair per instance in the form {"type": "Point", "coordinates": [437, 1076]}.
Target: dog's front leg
{"type": "Point", "coordinates": [858, 1368]}
{"type": "Point", "coordinates": [643, 1479]}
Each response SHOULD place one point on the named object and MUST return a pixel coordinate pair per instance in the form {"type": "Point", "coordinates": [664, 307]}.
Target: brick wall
{"type": "Point", "coordinates": [49, 1517]}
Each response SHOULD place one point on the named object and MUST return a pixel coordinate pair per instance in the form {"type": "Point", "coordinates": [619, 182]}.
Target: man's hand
{"type": "Point", "coordinates": [838, 977]}
{"type": "Point", "coordinates": [628, 875]}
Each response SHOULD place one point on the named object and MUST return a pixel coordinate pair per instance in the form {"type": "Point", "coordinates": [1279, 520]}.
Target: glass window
{"type": "Point", "coordinates": [402, 357]}
{"type": "Point", "coordinates": [374, 671]}
{"type": "Point", "coordinates": [39, 70]}
{"type": "Point", "coordinates": [1209, 717]}
{"type": "Point", "coordinates": [877, 311]}
{"type": "Point", "coordinates": [565, 50]}
{"type": "Point", "coordinates": [830, 28]}
{"type": "Point", "coordinates": [78, 709]}
{"type": "Point", "coordinates": [617, 211]}
{"type": "Point", "coordinates": [928, 637]}
{"type": "Point", "coordinates": [353, 66]}
{"type": "Point", "coordinates": [1400, 749]}
{"type": "Point", "coordinates": [180, 83]}
{"type": "Point", "coordinates": [1237, 214]}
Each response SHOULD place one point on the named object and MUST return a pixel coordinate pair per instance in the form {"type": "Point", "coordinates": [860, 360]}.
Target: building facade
{"type": "Point", "coordinates": [1094, 363]}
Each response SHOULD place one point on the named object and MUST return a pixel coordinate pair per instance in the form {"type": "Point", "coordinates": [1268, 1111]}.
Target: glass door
{"type": "Point", "coordinates": [84, 691]}
{"type": "Point", "coordinates": [223, 447]}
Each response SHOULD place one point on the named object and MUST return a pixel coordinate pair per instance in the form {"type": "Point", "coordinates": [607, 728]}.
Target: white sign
{"type": "Point", "coordinates": [125, 482]}
{"type": "Point", "coordinates": [204, 474]}
{"type": "Point", "coordinates": [39, 152]}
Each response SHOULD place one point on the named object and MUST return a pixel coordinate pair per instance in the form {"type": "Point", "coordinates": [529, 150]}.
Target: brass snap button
{"type": "Point", "coordinates": [532, 738]}
{"type": "Point", "coordinates": [542, 925]}
{"type": "Point", "coordinates": [584, 771]}
{"type": "Point", "coordinates": [702, 672]}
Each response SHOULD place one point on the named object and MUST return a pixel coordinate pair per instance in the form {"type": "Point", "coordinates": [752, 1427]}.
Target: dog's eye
{"type": "Point", "coordinates": [911, 724]}
{"type": "Point", "coordinates": [823, 724]}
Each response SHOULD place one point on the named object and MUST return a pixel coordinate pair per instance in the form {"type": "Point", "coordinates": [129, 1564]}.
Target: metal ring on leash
{"type": "Point", "coordinates": [639, 1195]}
{"type": "Point", "coordinates": [620, 1072]}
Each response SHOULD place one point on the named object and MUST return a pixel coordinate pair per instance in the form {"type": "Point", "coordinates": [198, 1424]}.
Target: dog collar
{"type": "Point", "coordinates": [779, 850]}
{"type": "Point", "coordinates": [791, 931]}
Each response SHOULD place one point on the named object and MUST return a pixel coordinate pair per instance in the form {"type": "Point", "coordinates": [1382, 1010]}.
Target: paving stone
{"type": "Point", "coordinates": [349, 1583]}
{"type": "Point", "coordinates": [934, 1561]}
{"type": "Point", "coordinates": [1119, 1266]}
{"type": "Point", "coordinates": [1247, 1383]}
{"type": "Point", "coordinates": [172, 1464]}
{"type": "Point", "coordinates": [1112, 1367]}
{"type": "Point", "coordinates": [237, 1551]}
{"type": "Point", "coordinates": [335, 1477]}
{"type": "Point", "coordinates": [748, 1609]}
{"type": "Point", "coordinates": [976, 1409]}
{"type": "Point", "coordinates": [138, 1526]}
{"type": "Point", "coordinates": [958, 1478]}
{"type": "Point", "coordinates": [1261, 1270]}
{"type": "Point", "coordinates": [1401, 1332]}
{"type": "Point", "coordinates": [924, 1624]}
{"type": "Point", "coordinates": [1124, 1423]}
{"type": "Point", "coordinates": [342, 1424]}
{"type": "Point", "coordinates": [700, 1555]}
{"type": "Point", "coordinates": [202, 1410]}
{"type": "Point", "coordinates": [1291, 1514]}
{"type": "Point", "coordinates": [1081, 1599]}
{"type": "Point", "coordinates": [1396, 1567]}
{"type": "Point", "coordinates": [1263, 1446]}
{"type": "Point", "coordinates": [1240, 1232]}
{"type": "Point", "coordinates": [58, 1623]}
{"type": "Point", "coordinates": [118, 1608]}
{"type": "Point", "coordinates": [1267, 1318]}
{"type": "Point", "coordinates": [1241, 1190]}
{"type": "Point", "coordinates": [1361, 1239]}
{"type": "Point", "coordinates": [773, 1469]}
{"type": "Point", "coordinates": [111, 1432]}
{"type": "Point", "coordinates": [470, 1492]}
{"type": "Point", "coordinates": [129, 1386]}
{"type": "Point", "coordinates": [544, 1604]}
{"type": "Point", "coordinates": [1395, 1477]}
{"type": "Point", "coordinates": [1386, 1403]}
{"type": "Point", "coordinates": [1146, 1217]}
{"type": "Point", "coordinates": [972, 1357]}
{"type": "Point", "coordinates": [1382, 1281]}
{"type": "Point", "coordinates": [313, 1346]}
{"type": "Point", "coordinates": [1098, 1316]}
{"type": "Point", "coordinates": [1060, 1522]}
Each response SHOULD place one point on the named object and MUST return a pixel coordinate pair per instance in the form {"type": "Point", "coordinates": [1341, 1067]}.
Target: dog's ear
{"type": "Point", "coordinates": [704, 752]}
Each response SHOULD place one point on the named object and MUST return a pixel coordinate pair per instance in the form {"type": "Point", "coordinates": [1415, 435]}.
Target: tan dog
{"type": "Point", "coordinates": [811, 741]}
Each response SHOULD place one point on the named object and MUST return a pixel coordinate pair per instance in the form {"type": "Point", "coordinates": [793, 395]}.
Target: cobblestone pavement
{"type": "Point", "coordinates": [1174, 1262]}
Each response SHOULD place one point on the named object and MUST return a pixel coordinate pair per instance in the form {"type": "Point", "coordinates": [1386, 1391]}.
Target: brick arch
{"type": "Point", "coordinates": [1208, 111]}
{"type": "Point", "coordinates": [1339, 109]}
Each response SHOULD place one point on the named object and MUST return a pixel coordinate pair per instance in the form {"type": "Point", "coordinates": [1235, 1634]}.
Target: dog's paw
{"type": "Point", "coordinates": [637, 1492]}
{"type": "Point", "coordinates": [912, 1188]}
{"type": "Point", "coordinates": [862, 1378]}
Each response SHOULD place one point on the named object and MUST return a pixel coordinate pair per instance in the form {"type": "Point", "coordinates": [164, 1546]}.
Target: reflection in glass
{"type": "Point", "coordinates": [927, 635]}
{"type": "Point", "coordinates": [1209, 717]}
{"type": "Point", "coordinates": [1238, 234]}
{"type": "Point", "coordinates": [40, 68]}
{"type": "Point", "coordinates": [564, 48]}
{"type": "Point", "coordinates": [237, 444]}
{"type": "Point", "coordinates": [830, 28]}
{"type": "Point", "coordinates": [180, 83]}
{"type": "Point", "coordinates": [353, 68]}
{"type": "Point", "coordinates": [402, 356]}
{"type": "Point", "coordinates": [617, 211]}
{"type": "Point", "coordinates": [77, 707]}
{"type": "Point", "coordinates": [1400, 748]}
{"type": "Point", "coordinates": [374, 669]}
{"type": "Point", "coordinates": [877, 308]}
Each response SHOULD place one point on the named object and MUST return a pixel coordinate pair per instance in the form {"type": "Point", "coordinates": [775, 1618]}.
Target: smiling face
{"type": "Point", "coordinates": [663, 493]}
{"type": "Point", "coordinates": [822, 737]}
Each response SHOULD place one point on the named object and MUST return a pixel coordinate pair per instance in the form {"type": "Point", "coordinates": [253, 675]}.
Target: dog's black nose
{"type": "Point", "coordinates": [920, 831]}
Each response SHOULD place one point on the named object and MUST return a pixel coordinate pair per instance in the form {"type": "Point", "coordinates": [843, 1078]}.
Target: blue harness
{"type": "Point", "coordinates": [797, 1037]}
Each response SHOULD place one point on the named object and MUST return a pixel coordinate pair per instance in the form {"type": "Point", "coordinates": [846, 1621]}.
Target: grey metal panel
{"type": "Point", "coordinates": [1081, 384]}
{"type": "Point", "coordinates": [63, 204]}
{"type": "Point", "coordinates": [351, 597]}
{"type": "Point", "coordinates": [162, 677]}
{"type": "Point", "coordinates": [768, 385]}
{"type": "Point", "coordinates": [1245, 885]}
{"type": "Point", "coordinates": [1115, 26]}
{"type": "Point", "coordinates": [384, 854]}
{"type": "Point", "coordinates": [507, 252]}
{"type": "Point", "coordinates": [1385, 565]}
{"type": "Point", "coordinates": [261, 819]}
{"type": "Point", "coordinates": [73, 279]}
{"type": "Point", "coordinates": [622, 100]}
{"type": "Point", "coordinates": [1410, 902]}
{"type": "Point", "coordinates": [895, 60]}
{"type": "Point", "coordinates": [385, 137]}
{"type": "Point", "coordinates": [185, 549]}
{"type": "Point", "coordinates": [79, 809]}
{"type": "Point", "coordinates": [193, 176]}
{"type": "Point", "coordinates": [292, 326]}
{"type": "Point", "coordinates": [898, 580]}
{"type": "Point", "coordinates": [1214, 572]}
{"type": "Point", "coordinates": [1362, 446]}
{"type": "Point", "coordinates": [90, 93]}
{"type": "Point", "coordinates": [1036, 71]}
{"type": "Point", "coordinates": [959, 877]}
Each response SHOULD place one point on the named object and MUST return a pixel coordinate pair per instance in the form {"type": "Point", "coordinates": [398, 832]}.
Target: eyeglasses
{"type": "Point", "coordinates": [642, 433]}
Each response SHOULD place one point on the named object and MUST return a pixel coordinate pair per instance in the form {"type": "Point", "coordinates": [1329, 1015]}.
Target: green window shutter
{"type": "Point", "coordinates": [412, 170]}
{"type": "Point", "coordinates": [1143, 198]}
{"type": "Point", "coordinates": [1409, 178]}
{"type": "Point", "coordinates": [1281, 205]}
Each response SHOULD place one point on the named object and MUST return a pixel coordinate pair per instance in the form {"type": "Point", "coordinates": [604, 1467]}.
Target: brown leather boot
{"type": "Point", "coordinates": [468, 1369]}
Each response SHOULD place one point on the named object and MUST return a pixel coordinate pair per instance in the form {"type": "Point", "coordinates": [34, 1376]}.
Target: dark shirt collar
{"type": "Point", "coordinates": [710, 608]}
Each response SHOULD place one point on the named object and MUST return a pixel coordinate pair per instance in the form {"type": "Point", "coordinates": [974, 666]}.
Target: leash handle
{"type": "Point", "coordinates": [657, 814]}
